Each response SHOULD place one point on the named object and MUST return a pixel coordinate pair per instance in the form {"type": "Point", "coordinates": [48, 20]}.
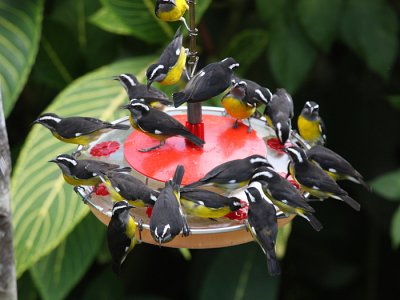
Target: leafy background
{"type": "Point", "coordinates": [59, 55]}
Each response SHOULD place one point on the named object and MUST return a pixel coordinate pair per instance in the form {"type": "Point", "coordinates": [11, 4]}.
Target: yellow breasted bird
{"type": "Point", "coordinates": [284, 195]}
{"type": "Point", "coordinates": [84, 171]}
{"type": "Point", "coordinates": [171, 10]}
{"type": "Point", "coordinates": [262, 224]}
{"type": "Point", "coordinates": [168, 70]}
{"type": "Point", "coordinates": [232, 174]}
{"type": "Point", "coordinates": [207, 204]}
{"type": "Point", "coordinates": [314, 180]}
{"type": "Point", "coordinates": [76, 130]}
{"type": "Point", "coordinates": [209, 82]}
{"type": "Point", "coordinates": [335, 166]}
{"type": "Point", "coordinates": [121, 234]}
{"type": "Point", "coordinates": [136, 90]}
{"type": "Point", "coordinates": [310, 125]}
{"type": "Point", "coordinates": [122, 186]}
{"type": "Point", "coordinates": [157, 124]}
{"type": "Point", "coordinates": [279, 113]}
{"type": "Point", "coordinates": [167, 219]}
{"type": "Point", "coordinates": [255, 94]}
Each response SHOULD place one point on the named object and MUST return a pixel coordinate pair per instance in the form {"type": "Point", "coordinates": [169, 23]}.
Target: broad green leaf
{"type": "Point", "coordinates": [395, 230]}
{"type": "Point", "coordinates": [395, 101]}
{"type": "Point", "coordinates": [19, 39]}
{"type": "Point", "coordinates": [243, 271]}
{"type": "Point", "coordinates": [103, 286]}
{"type": "Point", "coordinates": [370, 28]}
{"type": "Point", "coordinates": [45, 207]}
{"type": "Point", "coordinates": [108, 21]}
{"type": "Point", "coordinates": [281, 240]}
{"type": "Point", "coordinates": [58, 272]}
{"type": "Point", "coordinates": [268, 9]}
{"type": "Point", "coordinates": [320, 20]}
{"type": "Point", "coordinates": [26, 288]}
{"type": "Point", "coordinates": [291, 56]}
{"type": "Point", "coordinates": [388, 185]}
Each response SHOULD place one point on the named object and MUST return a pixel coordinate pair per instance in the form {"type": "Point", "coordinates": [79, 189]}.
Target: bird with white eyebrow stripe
{"type": "Point", "coordinates": [310, 125]}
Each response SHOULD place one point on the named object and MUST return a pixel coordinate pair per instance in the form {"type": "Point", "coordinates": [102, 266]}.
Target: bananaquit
{"type": "Point", "coordinates": [232, 174]}
{"type": "Point", "coordinates": [334, 165]}
{"type": "Point", "coordinates": [209, 82]}
{"type": "Point", "coordinates": [171, 10]}
{"type": "Point", "coordinates": [84, 171]}
{"type": "Point", "coordinates": [254, 93]}
{"type": "Point", "coordinates": [279, 113]}
{"type": "Point", "coordinates": [262, 224]}
{"type": "Point", "coordinates": [284, 195]}
{"type": "Point", "coordinates": [167, 219]}
{"type": "Point", "coordinates": [76, 130]}
{"type": "Point", "coordinates": [314, 180]}
{"type": "Point", "coordinates": [207, 204]}
{"type": "Point", "coordinates": [135, 90]}
{"type": "Point", "coordinates": [122, 186]}
{"type": "Point", "coordinates": [120, 234]}
{"type": "Point", "coordinates": [310, 125]}
{"type": "Point", "coordinates": [157, 124]}
{"type": "Point", "coordinates": [168, 70]}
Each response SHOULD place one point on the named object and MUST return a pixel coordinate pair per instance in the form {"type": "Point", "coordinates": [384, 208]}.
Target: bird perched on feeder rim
{"type": "Point", "coordinates": [76, 130]}
{"type": "Point", "coordinates": [135, 90]}
{"type": "Point", "coordinates": [157, 124]}
{"type": "Point", "coordinates": [314, 180]}
{"type": "Point", "coordinates": [123, 186]}
{"type": "Point", "coordinates": [207, 204]}
{"type": "Point", "coordinates": [172, 10]}
{"type": "Point", "coordinates": [279, 113]}
{"type": "Point", "coordinates": [254, 93]}
{"type": "Point", "coordinates": [310, 125]}
{"type": "Point", "coordinates": [121, 234]}
{"type": "Point", "coordinates": [284, 195]}
{"type": "Point", "coordinates": [210, 81]}
{"type": "Point", "coordinates": [167, 219]}
{"type": "Point", "coordinates": [169, 68]}
{"type": "Point", "coordinates": [334, 165]}
{"type": "Point", "coordinates": [232, 174]}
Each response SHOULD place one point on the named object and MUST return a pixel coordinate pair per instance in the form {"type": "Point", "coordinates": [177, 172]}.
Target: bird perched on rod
{"type": "Point", "coordinates": [135, 90]}
{"type": "Point", "coordinates": [170, 65]}
{"type": "Point", "coordinates": [232, 174]}
{"type": "Point", "coordinates": [262, 224]}
{"type": "Point", "coordinates": [334, 165]}
{"type": "Point", "coordinates": [171, 10]}
{"type": "Point", "coordinates": [210, 81]}
{"type": "Point", "coordinates": [76, 130]}
{"type": "Point", "coordinates": [279, 113]}
{"type": "Point", "coordinates": [167, 219]}
{"type": "Point", "coordinates": [84, 171]}
{"type": "Point", "coordinates": [157, 124]}
{"type": "Point", "coordinates": [284, 195]}
{"type": "Point", "coordinates": [254, 93]}
{"type": "Point", "coordinates": [314, 180]}
{"type": "Point", "coordinates": [121, 234]}
{"type": "Point", "coordinates": [207, 204]}
{"type": "Point", "coordinates": [310, 125]}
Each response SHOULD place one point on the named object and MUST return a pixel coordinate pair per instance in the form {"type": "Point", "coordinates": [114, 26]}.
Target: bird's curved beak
{"type": "Point", "coordinates": [149, 82]}
{"type": "Point", "coordinates": [35, 122]}
{"type": "Point", "coordinates": [115, 77]}
{"type": "Point", "coordinates": [131, 206]}
{"type": "Point", "coordinates": [125, 106]}
{"type": "Point", "coordinates": [53, 160]}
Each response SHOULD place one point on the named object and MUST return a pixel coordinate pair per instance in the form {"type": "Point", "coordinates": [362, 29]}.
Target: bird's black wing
{"type": "Point", "coordinates": [171, 53]}
{"type": "Point", "coordinates": [118, 243]}
{"type": "Point", "coordinates": [206, 198]}
{"type": "Point", "coordinates": [76, 126]}
{"type": "Point", "coordinates": [99, 167]}
{"type": "Point", "coordinates": [140, 91]}
{"type": "Point", "coordinates": [316, 177]}
{"type": "Point", "coordinates": [158, 122]}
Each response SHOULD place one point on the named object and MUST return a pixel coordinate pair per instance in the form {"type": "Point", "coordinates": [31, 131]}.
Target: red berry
{"type": "Point", "coordinates": [239, 214]}
{"type": "Point", "coordinates": [101, 190]}
{"type": "Point", "coordinates": [104, 148]}
{"type": "Point", "coordinates": [149, 211]}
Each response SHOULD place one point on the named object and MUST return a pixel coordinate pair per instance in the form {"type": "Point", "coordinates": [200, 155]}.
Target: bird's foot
{"type": "Point", "coordinates": [236, 124]}
{"type": "Point", "coordinates": [149, 149]}
{"type": "Point", "coordinates": [140, 228]}
{"type": "Point", "coordinates": [185, 229]}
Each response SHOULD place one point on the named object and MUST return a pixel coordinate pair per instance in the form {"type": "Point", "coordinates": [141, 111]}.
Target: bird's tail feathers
{"type": "Point", "coordinates": [193, 138]}
{"type": "Point", "coordinates": [178, 176]}
{"type": "Point", "coordinates": [120, 126]}
{"type": "Point", "coordinates": [179, 98]}
{"type": "Point", "coordinates": [313, 221]}
{"type": "Point", "coordinates": [351, 202]}
{"type": "Point", "coordinates": [273, 265]}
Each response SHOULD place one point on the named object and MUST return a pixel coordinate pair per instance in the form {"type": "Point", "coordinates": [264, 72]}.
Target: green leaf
{"type": "Point", "coordinates": [45, 208]}
{"type": "Point", "coordinates": [185, 252]}
{"type": "Point", "coordinates": [291, 56]}
{"type": "Point", "coordinates": [19, 39]}
{"type": "Point", "coordinates": [281, 240]}
{"type": "Point", "coordinates": [103, 286]}
{"type": "Point", "coordinates": [370, 28]}
{"type": "Point", "coordinates": [268, 9]}
{"type": "Point", "coordinates": [320, 20]}
{"type": "Point", "coordinates": [395, 230]}
{"type": "Point", "coordinates": [244, 272]}
{"type": "Point", "coordinates": [388, 185]}
{"type": "Point", "coordinates": [108, 21]}
{"type": "Point", "coordinates": [395, 101]}
{"type": "Point", "coordinates": [57, 273]}
{"type": "Point", "coordinates": [26, 288]}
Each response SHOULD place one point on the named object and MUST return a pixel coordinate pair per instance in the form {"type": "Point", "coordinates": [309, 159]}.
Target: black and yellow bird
{"type": "Point", "coordinates": [167, 219]}
{"type": "Point", "coordinates": [123, 186]}
{"type": "Point", "coordinates": [310, 125]}
{"type": "Point", "coordinates": [157, 124]}
{"type": "Point", "coordinates": [232, 174]}
{"type": "Point", "coordinates": [84, 171]}
{"type": "Point", "coordinates": [314, 180]}
{"type": "Point", "coordinates": [121, 234]}
{"type": "Point", "coordinates": [279, 113]}
{"type": "Point", "coordinates": [210, 81]}
{"type": "Point", "coordinates": [335, 165]}
{"type": "Point", "coordinates": [76, 130]}
{"type": "Point", "coordinates": [171, 10]}
{"type": "Point", "coordinates": [168, 70]}
{"type": "Point", "coordinates": [284, 195]}
{"type": "Point", "coordinates": [255, 94]}
{"type": "Point", "coordinates": [207, 204]}
{"type": "Point", "coordinates": [136, 90]}
{"type": "Point", "coordinates": [263, 226]}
